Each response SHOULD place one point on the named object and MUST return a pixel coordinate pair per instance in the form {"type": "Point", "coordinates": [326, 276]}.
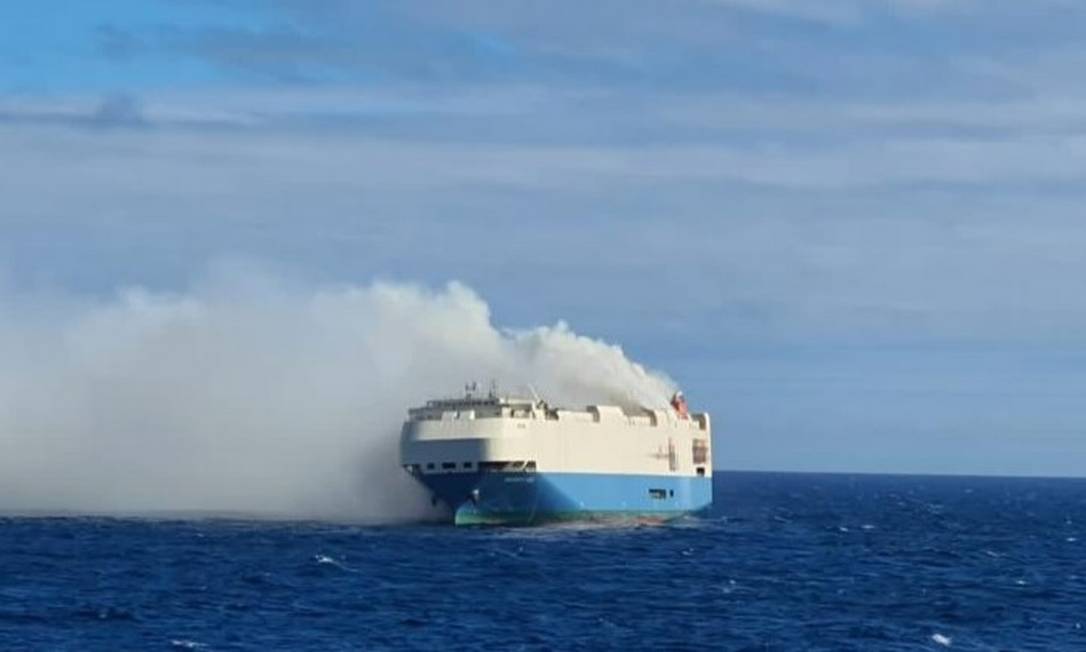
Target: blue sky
{"type": "Point", "coordinates": [853, 230]}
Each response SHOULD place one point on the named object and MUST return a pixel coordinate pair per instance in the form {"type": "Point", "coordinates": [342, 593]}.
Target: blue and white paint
{"type": "Point", "coordinates": [508, 461]}
{"type": "Point", "coordinates": [532, 498]}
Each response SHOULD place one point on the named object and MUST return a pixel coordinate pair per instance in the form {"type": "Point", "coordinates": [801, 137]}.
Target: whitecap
{"type": "Point", "coordinates": [188, 645]}
{"type": "Point", "coordinates": [1071, 539]}
{"type": "Point", "coordinates": [867, 526]}
{"type": "Point", "coordinates": [325, 559]}
{"type": "Point", "coordinates": [941, 639]}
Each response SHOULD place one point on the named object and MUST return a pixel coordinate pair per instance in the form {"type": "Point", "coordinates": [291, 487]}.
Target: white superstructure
{"type": "Point", "coordinates": [450, 435]}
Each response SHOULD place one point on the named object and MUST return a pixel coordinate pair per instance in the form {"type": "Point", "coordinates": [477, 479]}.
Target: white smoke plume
{"type": "Point", "coordinates": [257, 397]}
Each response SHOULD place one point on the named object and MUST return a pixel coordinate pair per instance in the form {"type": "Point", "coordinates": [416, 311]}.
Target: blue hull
{"type": "Point", "coordinates": [518, 498]}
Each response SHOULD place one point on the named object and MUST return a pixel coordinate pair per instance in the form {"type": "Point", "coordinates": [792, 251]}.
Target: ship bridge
{"type": "Point", "coordinates": [470, 407]}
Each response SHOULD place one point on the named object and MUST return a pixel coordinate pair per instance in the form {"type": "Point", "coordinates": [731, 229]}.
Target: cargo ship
{"type": "Point", "coordinates": [503, 460]}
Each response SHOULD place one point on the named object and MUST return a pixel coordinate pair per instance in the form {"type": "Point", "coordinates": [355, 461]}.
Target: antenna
{"type": "Point", "coordinates": [535, 395]}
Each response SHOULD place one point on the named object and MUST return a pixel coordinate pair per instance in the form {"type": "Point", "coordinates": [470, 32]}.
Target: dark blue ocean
{"type": "Point", "coordinates": [785, 562]}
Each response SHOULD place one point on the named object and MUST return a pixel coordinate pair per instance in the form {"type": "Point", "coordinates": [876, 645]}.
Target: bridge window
{"type": "Point", "coordinates": [448, 465]}
{"type": "Point", "coordinates": [467, 465]}
{"type": "Point", "coordinates": [658, 494]}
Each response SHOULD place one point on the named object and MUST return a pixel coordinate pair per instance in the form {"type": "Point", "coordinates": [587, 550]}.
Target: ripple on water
{"type": "Point", "coordinates": [786, 562]}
